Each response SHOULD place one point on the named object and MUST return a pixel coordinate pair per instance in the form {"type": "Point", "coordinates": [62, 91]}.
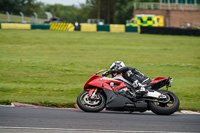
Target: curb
{"type": "Point", "coordinates": [76, 106]}
{"type": "Point", "coordinates": [16, 104]}
{"type": "Point", "coordinates": [189, 112]}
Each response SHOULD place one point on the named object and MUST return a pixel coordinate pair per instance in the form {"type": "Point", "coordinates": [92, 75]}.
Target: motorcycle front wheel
{"type": "Point", "coordinates": [91, 105]}
{"type": "Point", "coordinates": [166, 106]}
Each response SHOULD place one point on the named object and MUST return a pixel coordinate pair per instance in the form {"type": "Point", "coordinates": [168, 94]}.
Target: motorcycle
{"type": "Point", "coordinates": [117, 94]}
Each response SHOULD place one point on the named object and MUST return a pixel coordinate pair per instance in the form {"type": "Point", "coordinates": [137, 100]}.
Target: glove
{"type": "Point", "coordinates": [111, 71]}
{"type": "Point", "coordinates": [105, 74]}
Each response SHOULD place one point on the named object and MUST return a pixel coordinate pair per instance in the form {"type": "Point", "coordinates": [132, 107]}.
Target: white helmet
{"type": "Point", "coordinates": [116, 65]}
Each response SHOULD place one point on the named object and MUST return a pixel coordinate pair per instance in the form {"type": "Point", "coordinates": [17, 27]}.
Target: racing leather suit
{"type": "Point", "coordinates": [132, 74]}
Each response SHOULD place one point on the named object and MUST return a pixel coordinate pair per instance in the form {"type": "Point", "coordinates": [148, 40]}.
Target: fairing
{"type": "Point", "coordinates": [156, 80]}
{"type": "Point", "coordinates": [159, 82]}
{"type": "Point", "coordinates": [104, 83]}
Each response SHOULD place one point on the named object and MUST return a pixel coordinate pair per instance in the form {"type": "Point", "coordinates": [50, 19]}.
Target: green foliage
{"type": "Point", "coordinates": [123, 11]}
{"type": "Point", "coordinates": [10, 5]}
{"type": "Point", "coordinates": [102, 9]}
{"type": "Point", "coordinates": [51, 67]}
{"type": "Point", "coordinates": [112, 11]}
{"type": "Point", "coordinates": [16, 6]}
{"type": "Point", "coordinates": [16, 18]}
{"type": "Point", "coordinates": [68, 13]}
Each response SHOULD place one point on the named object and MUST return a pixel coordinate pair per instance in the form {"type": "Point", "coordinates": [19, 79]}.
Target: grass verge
{"type": "Point", "coordinates": [50, 67]}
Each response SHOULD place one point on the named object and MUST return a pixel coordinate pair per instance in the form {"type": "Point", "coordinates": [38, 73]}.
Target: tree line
{"type": "Point", "coordinates": [112, 11]}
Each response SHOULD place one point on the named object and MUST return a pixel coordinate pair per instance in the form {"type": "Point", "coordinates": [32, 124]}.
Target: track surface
{"type": "Point", "coordinates": [35, 120]}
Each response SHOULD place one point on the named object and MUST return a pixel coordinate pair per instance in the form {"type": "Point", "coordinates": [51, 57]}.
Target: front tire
{"type": "Point", "coordinates": [165, 108]}
{"type": "Point", "coordinates": [91, 105]}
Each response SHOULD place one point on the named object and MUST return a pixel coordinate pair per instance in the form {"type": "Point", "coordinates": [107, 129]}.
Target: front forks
{"type": "Point", "coordinates": [92, 93]}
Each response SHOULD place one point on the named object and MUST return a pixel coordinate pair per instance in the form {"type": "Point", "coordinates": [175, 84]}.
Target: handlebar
{"type": "Point", "coordinates": [108, 72]}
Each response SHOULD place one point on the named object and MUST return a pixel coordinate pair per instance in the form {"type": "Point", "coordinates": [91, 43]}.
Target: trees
{"type": "Point", "coordinates": [101, 9]}
{"type": "Point", "coordinates": [28, 7]}
{"type": "Point", "coordinates": [112, 11]}
{"type": "Point", "coordinates": [16, 6]}
{"type": "Point", "coordinates": [10, 5]}
{"type": "Point", "coordinates": [67, 13]}
{"type": "Point", "coordinates": [123, 11]}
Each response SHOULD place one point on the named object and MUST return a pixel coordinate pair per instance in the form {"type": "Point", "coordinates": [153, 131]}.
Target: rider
{"type": "Point", "coordinates": [137, 78]}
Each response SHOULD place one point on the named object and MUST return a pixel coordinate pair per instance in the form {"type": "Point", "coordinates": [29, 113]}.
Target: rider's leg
{"type": "Point", "coordinates": [139, 87]}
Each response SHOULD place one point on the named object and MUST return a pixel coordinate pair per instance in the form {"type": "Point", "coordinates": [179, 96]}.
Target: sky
{"type": "Point", "coordinates": [63, 2]}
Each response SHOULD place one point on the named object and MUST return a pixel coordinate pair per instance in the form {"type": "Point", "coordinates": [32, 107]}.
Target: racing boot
{"type": "Point", "coordinates": [140, 90]}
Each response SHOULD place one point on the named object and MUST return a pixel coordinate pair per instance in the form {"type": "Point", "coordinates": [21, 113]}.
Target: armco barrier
{"type": "Point", "coordinates": [62, 26]}
{"type": "Point", "coordinates": [169, 31]}
{"type": "Point", "coordinates": [40, 26]}
{"type": "Point", "coordinates": [88, 27]}
{"type": "Point", "coordinates": [131, 29]}
{"type": "Point", "coordinates": [117, 28]}
{"type": "Point", "coordinates": [15, 26]}
{"type": "Point", "coordinates": [105, 27]}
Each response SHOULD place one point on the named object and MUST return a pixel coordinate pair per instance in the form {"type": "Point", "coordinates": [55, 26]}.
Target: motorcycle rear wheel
{"type": "Point", "coordinates": [165, 108]}
{"type": "Point", "coordinates": [91, 105]}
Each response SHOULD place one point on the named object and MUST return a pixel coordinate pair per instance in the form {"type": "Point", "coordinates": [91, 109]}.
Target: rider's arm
{"type": "Point", "coordinates": [123, 70]}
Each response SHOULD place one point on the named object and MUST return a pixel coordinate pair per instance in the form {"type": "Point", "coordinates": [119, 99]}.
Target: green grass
{"type": "Point", "coordinates": [50, 67]}
{"type": "Point", "coordinates": [17, 18]}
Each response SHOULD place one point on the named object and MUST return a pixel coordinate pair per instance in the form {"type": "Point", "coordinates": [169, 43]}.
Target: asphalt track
{"type": "Point", "coordinates": [43, 120]}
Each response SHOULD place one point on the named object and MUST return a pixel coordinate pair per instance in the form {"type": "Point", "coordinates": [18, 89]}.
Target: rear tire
{"type": "Point", "coordinates": [168, 108]}
{"type": "Point", "coordinates": [88, 105]}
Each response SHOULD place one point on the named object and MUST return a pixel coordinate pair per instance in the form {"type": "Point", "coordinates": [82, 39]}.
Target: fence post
{"type": "Point", "coordinates": [22, 15]}
{"type": "Point", "coordinates": [134, 5]}
{"type": "Point", "coordinates": [36, 16]}
{"type": "Point", "coordinates": [8, 16]}
{"type": "Point", "coordinates": [49, 15]}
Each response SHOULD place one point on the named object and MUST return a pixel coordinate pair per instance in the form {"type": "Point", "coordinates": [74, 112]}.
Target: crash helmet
{"type": "Point", "coordinates": [117, 65]}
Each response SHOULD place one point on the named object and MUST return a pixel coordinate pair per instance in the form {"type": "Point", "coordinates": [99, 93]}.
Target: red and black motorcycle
{"type": "Point", "coordinates": [118, 94]}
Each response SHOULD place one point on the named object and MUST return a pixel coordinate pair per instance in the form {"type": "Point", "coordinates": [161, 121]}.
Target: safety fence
{"type": "Point", "coordinates": [71, 27]}
{"type": "Point", "coordinates": [62, 26]}
{"type": "Point", "coordinates": [169, 31]}
{"type": "Point", "coordinates": [88, 27]}
{"type": "Point", "coordinates": [15, 26]}
{"type": "Point", "coordinates": [51, 26]}
{"type": "Point", "coordinates": [40, 26]}
{"type": "Point", "coordinates": [117, 28]}
{"type": "Point", "coordinates": [104, 28]}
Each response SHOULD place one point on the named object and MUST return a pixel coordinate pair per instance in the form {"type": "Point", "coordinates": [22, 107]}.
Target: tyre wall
{"type": "Point", "coordinates": [105, 28]}
{"type": "Point", "coordinates": [71, 27]}
{"type": "Point", "coordinates": [117, 28]}
{"type": "Point", "coordinates": [88, 27]}
{"type": "Point", "coordinates": [169, 31]}
{"type": "Point", "coordinates": [15, 26]}
{"type": "Point", "coordinates": [40, 26]}
{"type": "Point", "coordinates": [62, 26]}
